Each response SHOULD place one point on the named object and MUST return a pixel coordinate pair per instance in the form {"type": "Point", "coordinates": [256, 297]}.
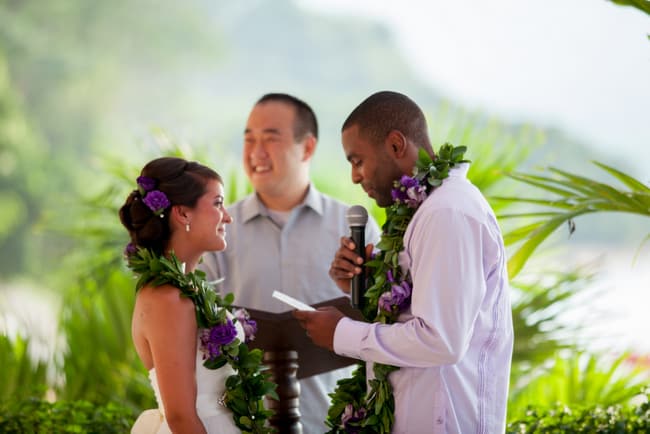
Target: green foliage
{"type": "Point", "coordinates": [22, 167]}
{"type": "Point", "coordinates": [574, 196]}
{"type": "Point", "coordinates": [642, 5]}
{"type": "Point", "coordinates": [36, 416]}
{"type": "Point", "coordinates": [536, 309]}
{"type": "Point", "coordinates": [584, 419]}
{"type": "Point", "coordinates": [98, 362]}
{"type": "Point", "coordinates": [21, 376]}
{"type": "Point", "coordinates": [576, 380]}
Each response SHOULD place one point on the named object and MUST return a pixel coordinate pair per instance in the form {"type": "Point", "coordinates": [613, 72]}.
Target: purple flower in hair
{"type": "Point", "coordinates": [214, 338]}
{"type": "Point", "coordinates": [145, 184]}
{"type": "Point", "coordinates": [130, 249]}
{"type": "Point", "coordinates": [249, 325]}
{"type": "Point", "coordinates": [157, 201]}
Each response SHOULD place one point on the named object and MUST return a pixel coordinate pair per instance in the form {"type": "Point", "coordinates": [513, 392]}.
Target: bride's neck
{"type": "Point", "coordinates": [190, 259]}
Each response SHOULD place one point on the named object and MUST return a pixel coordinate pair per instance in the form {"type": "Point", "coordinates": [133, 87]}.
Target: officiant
{"type": "Point", "coordinates": [284, 234]}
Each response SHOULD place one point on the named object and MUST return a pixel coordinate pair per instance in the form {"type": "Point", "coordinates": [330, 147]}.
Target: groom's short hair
{"type": "Point", "coordinates": [384, 111]}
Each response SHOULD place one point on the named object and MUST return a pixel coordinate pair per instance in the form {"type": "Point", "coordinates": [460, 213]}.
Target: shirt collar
{"type": "Point", "coordinates": [252, 206]}
{"type": "Point", "coordinates": [459, 171]}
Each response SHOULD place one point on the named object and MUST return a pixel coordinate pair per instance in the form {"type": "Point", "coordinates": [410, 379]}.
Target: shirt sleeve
{"type": "Point", "coordinates": [448, 287]}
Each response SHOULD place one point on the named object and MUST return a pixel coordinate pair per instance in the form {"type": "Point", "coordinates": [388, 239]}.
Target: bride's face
{"type": "Point", "coordinates": [209, 219]}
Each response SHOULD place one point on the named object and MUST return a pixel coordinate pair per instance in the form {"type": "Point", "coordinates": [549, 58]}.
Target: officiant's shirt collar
{"type": "Point", "coordinates": [253, 206]}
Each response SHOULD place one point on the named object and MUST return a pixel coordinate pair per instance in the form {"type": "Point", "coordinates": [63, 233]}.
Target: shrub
{"type": "Point", "coordinates": [561, 419]}
{"type": "Point", "coordinates": [38, 416]}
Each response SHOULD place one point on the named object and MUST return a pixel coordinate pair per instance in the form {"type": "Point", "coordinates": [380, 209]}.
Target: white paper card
{"type": "Point", "coordinates": [291, 301]}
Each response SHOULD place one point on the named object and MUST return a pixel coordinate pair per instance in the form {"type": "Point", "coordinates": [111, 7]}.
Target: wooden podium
{"type": "Point", "coordinates": [290, 356]}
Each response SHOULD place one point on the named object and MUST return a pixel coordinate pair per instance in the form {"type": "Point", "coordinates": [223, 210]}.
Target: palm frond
{"type": "Point", "coordinates": [571, 196]}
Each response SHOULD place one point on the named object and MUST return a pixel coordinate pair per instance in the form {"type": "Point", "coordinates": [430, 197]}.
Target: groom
{"type": "Point", "coordinates": [453, 345]}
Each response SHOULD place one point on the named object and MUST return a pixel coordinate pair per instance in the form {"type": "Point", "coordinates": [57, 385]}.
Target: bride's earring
{"type": "Point", "coordinates": [187, 227]}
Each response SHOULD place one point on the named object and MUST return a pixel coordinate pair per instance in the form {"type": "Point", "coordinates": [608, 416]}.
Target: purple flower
{"type": "Point", "coordinates": [130, 249]}
{"type": "Point", "coordinates": [401, 294]}
{"type": "Point", "coordinates": [146, 184]}
{"type": "Point", "coordinates": [157, 201]}
{"type": "Point", "coordinates": [249, 325]}
{"type": "Point", "coordinates": [385, 301]}
{"type": "Point", "coordinates": [214, 338]}
{"type": "Point", "coordinates": [408, 190]}
{"type": "Point", "coordinates": [389, 275]}
{"type": "Point", "coordinates": [409, 182]}
{"type": "Point", "coordinates": [351, 416]}
{"type": "Point", "coordinates": [415, 196]}
{"type": "Point", "coordinates": [397, 299]}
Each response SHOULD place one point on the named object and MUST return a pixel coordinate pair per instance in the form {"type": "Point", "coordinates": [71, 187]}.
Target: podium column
{"type": "Point", "coordinates": [283, 366]}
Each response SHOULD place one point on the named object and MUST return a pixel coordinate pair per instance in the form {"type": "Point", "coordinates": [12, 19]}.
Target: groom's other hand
{"type": "Point", "coordinates": [320, 324]}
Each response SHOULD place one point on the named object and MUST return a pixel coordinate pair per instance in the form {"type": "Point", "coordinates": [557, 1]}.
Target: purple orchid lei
{"type": "Point", "coordinates": [359, 406]}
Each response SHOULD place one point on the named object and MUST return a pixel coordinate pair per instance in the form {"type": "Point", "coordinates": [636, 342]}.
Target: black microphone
{"type": "Point", "coordinates": [357, 218]}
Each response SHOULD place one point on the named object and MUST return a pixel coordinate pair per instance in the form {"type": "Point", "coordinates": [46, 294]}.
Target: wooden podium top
{"type": "Point", "coordinates": [281, 332]}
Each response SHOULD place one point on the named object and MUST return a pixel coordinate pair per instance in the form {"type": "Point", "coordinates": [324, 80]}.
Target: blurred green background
{"type": "Point", "coordinates": [90, 91]}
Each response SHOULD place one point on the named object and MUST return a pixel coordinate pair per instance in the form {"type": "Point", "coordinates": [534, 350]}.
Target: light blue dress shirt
{"type": "Point", "coordinates": [295, 258]}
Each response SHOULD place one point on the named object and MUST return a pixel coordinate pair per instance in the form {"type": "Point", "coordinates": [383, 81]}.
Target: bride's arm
{"type": "Point", "coordinates": [172, 336]}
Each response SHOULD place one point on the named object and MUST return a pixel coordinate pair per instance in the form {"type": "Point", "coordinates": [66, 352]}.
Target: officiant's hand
{"type": "Point", "coordinates": [347, 263]}
{"type": "Point", "coordinates": [320, 324]}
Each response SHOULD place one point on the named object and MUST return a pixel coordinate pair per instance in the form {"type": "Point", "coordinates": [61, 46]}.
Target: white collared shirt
{"type": "Point", "coordinates": [454, 345]}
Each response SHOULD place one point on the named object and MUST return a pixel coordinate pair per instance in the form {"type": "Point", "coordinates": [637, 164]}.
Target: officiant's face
{"type": "Point", "coordinates": [273, 159]}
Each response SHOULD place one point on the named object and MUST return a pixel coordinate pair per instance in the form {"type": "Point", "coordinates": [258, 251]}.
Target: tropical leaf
{"type": "Point", "coordinates": [642, 5]}
{"type": "Point", "coordinates": [578, 379]}
{"type": "Point", "coordinates": [22, 376]}
{"type": "Point", "coordinates": [578, 195]}
{"type": "Point", "coordinates": [538, 306]}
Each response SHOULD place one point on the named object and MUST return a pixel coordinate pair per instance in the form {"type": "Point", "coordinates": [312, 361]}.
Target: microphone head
{"type": "Point", "coordinates": [357, 216]}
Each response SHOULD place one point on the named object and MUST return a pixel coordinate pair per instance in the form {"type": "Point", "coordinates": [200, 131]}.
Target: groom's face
{"type": "Point", "coordinates": [372, 165]}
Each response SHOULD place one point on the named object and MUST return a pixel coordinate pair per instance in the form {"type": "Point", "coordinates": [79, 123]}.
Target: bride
{"type": "Point", "coordinates": [182, 330]}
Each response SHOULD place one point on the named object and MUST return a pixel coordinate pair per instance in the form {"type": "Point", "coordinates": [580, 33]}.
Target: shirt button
{"type": "Point", "coordinates": [439, 421]}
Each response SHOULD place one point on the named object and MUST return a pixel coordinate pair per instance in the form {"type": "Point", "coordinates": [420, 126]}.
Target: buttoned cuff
{"type": "Point", "coordinates": [348, 336]}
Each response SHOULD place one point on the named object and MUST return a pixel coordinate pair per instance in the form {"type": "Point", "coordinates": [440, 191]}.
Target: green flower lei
{"type": "Point", "coordinates": [245, 390]}
{"type": "Point", "coordinates": [354, 408]}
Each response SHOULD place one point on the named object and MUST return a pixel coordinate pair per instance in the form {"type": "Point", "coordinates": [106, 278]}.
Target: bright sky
{"type": "Point", "coordinates": [580, 65]}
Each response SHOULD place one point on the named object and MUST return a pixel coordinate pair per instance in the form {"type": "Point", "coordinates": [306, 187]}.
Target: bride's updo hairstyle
{"type": "Point", "coordinates": [162, 183]}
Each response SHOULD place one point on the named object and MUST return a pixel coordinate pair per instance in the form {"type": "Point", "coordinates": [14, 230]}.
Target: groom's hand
{"type": "Point", "coordinates": [320, 324]}
{"type": "Point", "coordinates": [347, 263]}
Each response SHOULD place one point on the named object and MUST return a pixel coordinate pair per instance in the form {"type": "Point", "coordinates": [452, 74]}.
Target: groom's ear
{"type": "Point", "coordinates": [396, 144]}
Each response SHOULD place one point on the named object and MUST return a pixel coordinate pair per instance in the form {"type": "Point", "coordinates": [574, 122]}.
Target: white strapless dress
{"type": "Point", "coordinates": [210, 384]}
